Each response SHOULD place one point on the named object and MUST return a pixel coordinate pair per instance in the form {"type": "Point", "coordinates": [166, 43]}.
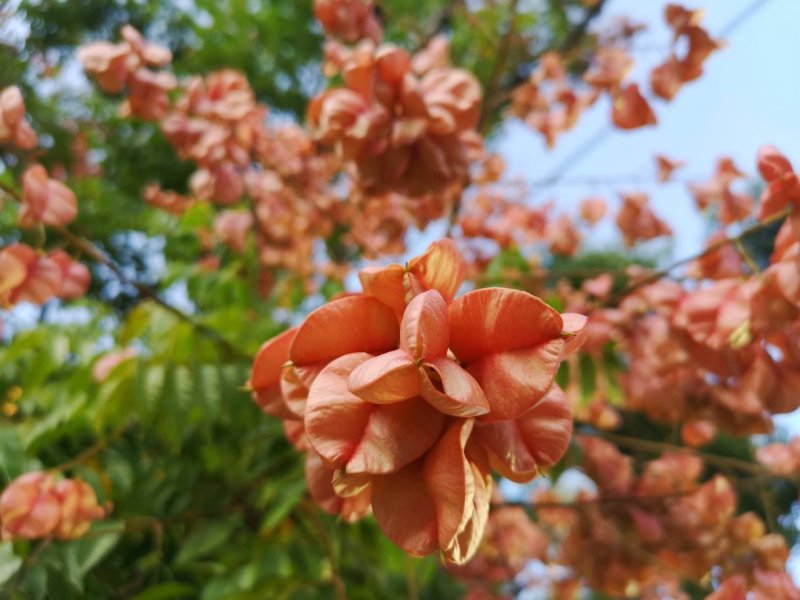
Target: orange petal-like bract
{"type": "Point", "coordinates": [439, 502]}
{"type": "Point", "coordinates": [390, 377]}
{"type": "Point", "coordinates": [451, 389]}
{"type": "Point", "coordinates": [519, 448]}
{"type": "Point", "coordinates": [425, 330]}
{"type": "Point", "coordinates": [29, 507]}
{"type": "Point", "coordinates": [45, 200]}
{"type": "Point", "coordinates": [319, 479]}
{"type": "Point", "coordinates": [360, 436]}
{"type": "Point", "coordinates": [79, 508]}
{"type": "Point", "coordinates": [350, 324]}
{"type": "Point", "coordinates": [440, 268]}
{"type": "Point", "coordinates": [511, 343]}
{"type": "Point", "coordinates": [266, 375]}
{"type": "Point", "coordinates": [388, 384]}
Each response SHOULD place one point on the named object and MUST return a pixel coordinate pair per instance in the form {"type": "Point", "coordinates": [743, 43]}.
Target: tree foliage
{"type": "Point", "coordinates": [183, 184]}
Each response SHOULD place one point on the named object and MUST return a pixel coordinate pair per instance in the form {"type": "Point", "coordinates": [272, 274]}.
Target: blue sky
{"type": "Point", "coordinates": [749, 96]}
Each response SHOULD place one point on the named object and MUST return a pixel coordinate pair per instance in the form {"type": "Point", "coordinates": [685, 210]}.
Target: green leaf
{"type": "Point", "coordinates": [88, 551]}
{"type": "Point", "coordinates": [287, 499]}
{"type": "Point", "coordinates": [9, 562]}
{"type": "Point", "coordinates": [166, 591]}
{"type": "Point", "coordinates": [204, 540]}
{"type": "Point", "coordinates": [12, 453]}
{"type": "Point", "coordinates": [34, 585]}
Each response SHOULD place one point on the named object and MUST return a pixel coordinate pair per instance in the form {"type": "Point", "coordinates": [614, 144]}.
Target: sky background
{"type": "Point", "coordinates": [748, 96]}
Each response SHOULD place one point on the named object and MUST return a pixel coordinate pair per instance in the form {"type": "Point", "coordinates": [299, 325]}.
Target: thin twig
{"type": "Point", "coordinates": [30, 561]}
{"type": "Point", "coordinates": [611, 180]}
{"type": "Point", "coordinates": [93, 252]}
{"type": "Point", "coordinates": [569, 43]}
{"type": "Point", "coordinates": [653, 277]}
{"type": "Point", "coordinates": [330, 551]}
{"type": "Point", "coordinates": [659, 447]}
{"type": "Point", "coordinates": [599, 500]}
{"type": "Point", "coordinates": [599, 137]}
{"type": "Point", "coordinates": [411, 579]}
{"type": "Point", "coordinates": [751, 263]}
{"type": "Point", "coordinates": [95, 448]}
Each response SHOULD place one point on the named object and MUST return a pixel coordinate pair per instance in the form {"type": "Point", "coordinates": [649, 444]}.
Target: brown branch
{"type": "Point", "coordinates": [612, 180]}
{"type": "Point", "coordinates": [95, 448]}
{"type": "Point", "coordinates": [30, 561]}
{"type": "Point", "coordinates": [751, 263]}
{"type": "Point", "coordinates": [737, 239]}
{"type": "Point", "coordinates": [654, 447]}
{"type": "Point", "coordinates": [599, 500]}
{"type": "Point", "coordinates": [96, 254]}
{"type": "Point", "coordinates": [569, 43]}
{"type": "Point", "coordinates": [328, 546]}
{"type": "Point", "coordinates": [576, 34]}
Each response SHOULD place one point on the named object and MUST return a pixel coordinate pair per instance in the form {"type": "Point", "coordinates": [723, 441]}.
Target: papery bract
{"type": "Point", "coordinates": [637, 221]}
{"type": "Point", "coordinates": [350, 20]}
{"type": "Point", "coordinates": [630, 110]}
{"type": "Point", "coordinates": [79, 508]}
{"type": "Point", "coordinates": [520, 448]}
{"type": "Point", "coordinates": [421, 367]}
{"type": "Point", "coordinates": [30, 276]}
{"type": "Point", "coordinates": [14, 128]}
{"type": "Point", "coordinates": [593, 209]}
{"type": "Point", "coordinates": [510, 341]}
{"type": "Point", "coordinates": [29, 507]}
{"type": "Point", "coordinates": [75, 276]}
{"type": "Point", "coordinates": [438, 502]}
{"type": "Point", "coordinates": [362, 437]}
{"type": "Point", "coordinates": [45, 200]}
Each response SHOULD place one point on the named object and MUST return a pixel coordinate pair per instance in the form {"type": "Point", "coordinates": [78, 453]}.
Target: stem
{"type": "Point", "coordinates": [659, 447]}
{"type": "Point", "coordinates": [30, 561]}
{"type": "Point", "coordinates": [411, 579]}
{"type": "Point", "coordinates": [737, 239]}
{"type": "Point", "coordinates": [93, 252]}
{"type": "Point", "coordinates": [94, 449]}
{"type": "Point", "coordinates": [570, 42]}
{"type": "Point", "coordinates": [330, 551]}
{"type": "Point", "coordinates": [599, 500]}
{"type": "Point", "coordinates": [751, 264]}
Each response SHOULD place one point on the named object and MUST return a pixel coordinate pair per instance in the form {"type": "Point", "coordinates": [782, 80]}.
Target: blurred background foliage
{"type": "Point", "coordinates": [209, 499]}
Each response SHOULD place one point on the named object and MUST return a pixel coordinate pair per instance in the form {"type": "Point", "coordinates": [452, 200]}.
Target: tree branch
{"type": "Point", "coordinates": [569, 43]}
{"type": "Point", "coordinates": [737, 239]}
{"type": "Point", "coordinates": [600, 500]}
{"type": "Point", "coordinates": [95, 448]}
{"type": "Point", "coordinates": [97, 255]}
{"type": "Point", "coordinates": [654, 447]}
